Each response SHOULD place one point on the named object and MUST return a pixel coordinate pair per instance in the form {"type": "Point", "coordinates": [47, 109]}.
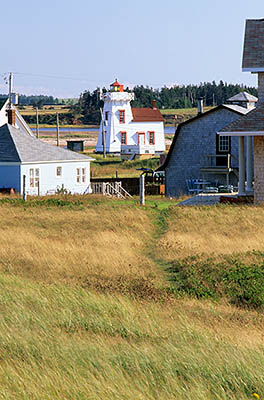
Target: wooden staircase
{"type": "Point", "coordinates": [113, 189]}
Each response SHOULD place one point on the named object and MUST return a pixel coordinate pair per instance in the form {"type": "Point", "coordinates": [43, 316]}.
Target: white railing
{"type": "Point", "coordinates": [113, 189]}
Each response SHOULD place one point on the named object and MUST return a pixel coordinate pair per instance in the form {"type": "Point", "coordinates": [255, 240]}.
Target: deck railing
{"type": "Point", "coordinates": [113, 189]}
{"type": "Point", "coordinates": [210, 161]}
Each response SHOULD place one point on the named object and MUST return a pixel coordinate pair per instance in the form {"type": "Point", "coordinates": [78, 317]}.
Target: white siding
{"type": "Point", "coordinates": [114, 128]}
{"type": "Point", "coordinates": [50, 182]}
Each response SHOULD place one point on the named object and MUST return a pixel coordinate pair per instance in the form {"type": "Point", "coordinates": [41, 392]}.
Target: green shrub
{"type": "Point", "coordinates": [231, 278]}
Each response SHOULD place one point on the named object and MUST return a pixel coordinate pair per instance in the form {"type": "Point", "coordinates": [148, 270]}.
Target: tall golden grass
{"type": "Point", "coordinates": [70, 329]}
{"type": "Point", "coordinates": [213, 231]}
{"type": "Point", "coordinates": [99, 247]}
{"type": "Point", "coordinates": [68, 343]}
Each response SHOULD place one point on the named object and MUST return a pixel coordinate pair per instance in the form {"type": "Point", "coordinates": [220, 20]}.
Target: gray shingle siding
{"type": "Point", "coordinates": [194, 140]}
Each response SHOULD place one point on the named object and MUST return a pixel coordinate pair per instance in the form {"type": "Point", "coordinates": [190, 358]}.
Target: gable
{"type": "Point", "coordinates": [16, 145]}
{"type": "Point", "coordinates": [253, 53]}
{"type": "Point", "coordinates": [193, 131]}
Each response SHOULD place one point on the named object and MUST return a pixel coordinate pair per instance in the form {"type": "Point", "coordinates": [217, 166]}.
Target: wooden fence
{"type": "Point", "coordinates": [131, 185]}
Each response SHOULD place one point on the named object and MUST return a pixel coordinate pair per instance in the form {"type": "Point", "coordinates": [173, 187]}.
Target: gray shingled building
{"type": "Point", "coordinates": [197, 152]}
{"type": "Point", "coordinates": [251, 125]}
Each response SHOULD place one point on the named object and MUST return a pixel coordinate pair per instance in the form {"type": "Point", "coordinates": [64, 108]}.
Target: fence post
{"type": "Point", "coordinates": [24, 188]}
{"type": "Point", "coordinates": [142, 189]}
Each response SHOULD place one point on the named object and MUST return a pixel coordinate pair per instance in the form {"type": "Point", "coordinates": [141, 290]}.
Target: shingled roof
{"type": "Point", "coordinates": [146, 115]}
{"type": "Point", "coordinates": [17, 146]}
{"type": "Point", "coordinates": [252, 123]}
{"type": "Point", "coordinates": [243, 96]}
{"type": "Point", "coordinates": [253, 54]}
{"type": "Point", "coordinates": [235, 108]}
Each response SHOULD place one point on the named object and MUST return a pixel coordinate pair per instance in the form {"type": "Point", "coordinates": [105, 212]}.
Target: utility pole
{"type": "Point", "coordinates": [37, 123]}
{"type": "Point", "coordinates": [58, 130]}
{"type": "Point", "coordinates": [103, 131]}
{"type": "Point", "coordinates": [10, 89]}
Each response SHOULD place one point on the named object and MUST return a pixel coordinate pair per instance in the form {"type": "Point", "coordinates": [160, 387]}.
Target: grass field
{"type": "Point", "coordinates": [183, 111]}
{"type": "Point", "coordinates": [90, 308]}
{"type": "Point", "coordinates": [108, 167]}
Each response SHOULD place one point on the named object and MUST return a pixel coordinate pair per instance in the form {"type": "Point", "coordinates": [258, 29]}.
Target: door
{"type": "Point", "coordinates": [141, 138]}
{"type": "Point", "coordinates": [223, 148]}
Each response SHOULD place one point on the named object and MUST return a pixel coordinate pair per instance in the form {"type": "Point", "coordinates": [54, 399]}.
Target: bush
{"type": "Point", "coordinates": [231, 278]}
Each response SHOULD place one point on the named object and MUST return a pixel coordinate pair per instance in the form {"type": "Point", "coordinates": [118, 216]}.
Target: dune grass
{"type": "Point", "coordinates": [213, 230]}
{"type": "Point", "coordinates": [88, 310]}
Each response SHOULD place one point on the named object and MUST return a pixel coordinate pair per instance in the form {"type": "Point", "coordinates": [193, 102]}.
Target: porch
{"type": "Point", "coordinates": [219, 164]}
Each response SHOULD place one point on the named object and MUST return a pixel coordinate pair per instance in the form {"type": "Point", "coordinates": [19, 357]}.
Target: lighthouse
{"type": "Point", "coordinates": [129, 131]}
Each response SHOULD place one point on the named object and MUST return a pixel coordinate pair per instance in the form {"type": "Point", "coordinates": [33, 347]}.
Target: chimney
{"type": "Point", "coordinates": [11, 117]}
{"type": "Point", "coordinates": [154, 105]}
{"type": "Point", "coordinates": [200, 105]}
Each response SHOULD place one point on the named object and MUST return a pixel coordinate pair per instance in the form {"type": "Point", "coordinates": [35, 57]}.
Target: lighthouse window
{"type": "Point", "coordinates": [106, 116]}
{"type": "Point", "coordinates": [123, 138]}
{"type": "Point", "coordinates": [122, 116]}
{"type": "Point", "coordinates": [151, 137]}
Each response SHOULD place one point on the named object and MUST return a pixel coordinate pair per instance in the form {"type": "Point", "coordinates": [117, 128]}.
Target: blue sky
{"type": "Point", "coordinates": [63, 47]}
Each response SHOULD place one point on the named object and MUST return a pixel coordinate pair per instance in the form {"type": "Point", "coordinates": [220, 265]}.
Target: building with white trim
{"type": "Point", "coordinates": [33, 167]}
{"type": "Point", "coordinates": [126, 130]}
{"type": "Point", "coordinates": [250, 128]}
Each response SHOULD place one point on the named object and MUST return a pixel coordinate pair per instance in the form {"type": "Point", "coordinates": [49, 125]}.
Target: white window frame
{"type": "Point", "coordinates": [33, 177]}
{"type": "Point", "coordinates": [81, 175]}
{"type": "Point", "coordinates": [59, 175]}
{"type": "Point", "coordinates": [224, 144]}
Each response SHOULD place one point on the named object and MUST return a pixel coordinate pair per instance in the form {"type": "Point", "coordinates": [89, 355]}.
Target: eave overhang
{"type": "Point", "coordinates": [253, 70]}
{"type": "Point", "coordinates": [242, 133]}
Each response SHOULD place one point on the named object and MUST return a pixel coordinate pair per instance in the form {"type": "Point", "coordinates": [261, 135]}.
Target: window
{"type": "Point", "coordinates": [106, 116]}
{"type": "Point", "coordinates": [224, 143]}
{"type": "Point", "coordinates": [151, 137]}
{"type": "Point", "coordinates": [81, 175]}
{"type": "Point", "coordinates": [59, 172]}
{"type": "Point", "coordinates": [33, 177]}
{"type": "Point", "coordinates": [122, 116]}
{"type": "Point", "coordinates": [123, 138]}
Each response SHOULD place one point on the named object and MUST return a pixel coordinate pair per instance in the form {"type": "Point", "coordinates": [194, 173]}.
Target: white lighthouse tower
{"type": "Point", "coordinates": [130, 131]}
{"type": "Point", "coordinates": [116, 117]}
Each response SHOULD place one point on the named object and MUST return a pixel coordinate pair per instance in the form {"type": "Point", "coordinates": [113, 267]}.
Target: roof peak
{"type": "Point", "coordinates": [17, 145]}
{"type": "Point", "coordinates": [243, 96]}
{"type": "Point", "coordinates": [253, 53]}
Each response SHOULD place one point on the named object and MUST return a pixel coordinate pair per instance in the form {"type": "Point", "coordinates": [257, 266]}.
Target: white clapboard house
{"type": "Point", "coordinates": [42, 168]}
{"type": "Point", "coordinates": [129, 131]}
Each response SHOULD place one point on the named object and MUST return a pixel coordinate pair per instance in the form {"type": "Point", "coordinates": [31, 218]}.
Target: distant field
{"type": "Point", "coordinates": [183, 111]}
{"type": "Point", "coordinates": [45, 110]}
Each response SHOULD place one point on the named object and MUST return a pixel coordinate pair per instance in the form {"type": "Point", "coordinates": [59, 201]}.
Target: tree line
{"type": "Point", "coordinates": [87, 109]}
{"type": "Point", "coordinates": [184, 96]}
